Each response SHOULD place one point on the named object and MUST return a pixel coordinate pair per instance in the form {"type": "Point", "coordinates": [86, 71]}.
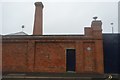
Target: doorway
{"type": "Point", "coordinates": [70, 60]}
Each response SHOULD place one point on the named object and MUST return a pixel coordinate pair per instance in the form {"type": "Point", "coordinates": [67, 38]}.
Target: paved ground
{"type": "Point", "coordinates": [58, 76]}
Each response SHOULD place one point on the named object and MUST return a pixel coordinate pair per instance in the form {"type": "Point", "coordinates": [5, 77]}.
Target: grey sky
{"type": "Point", "coordinates": [119, 17]}
{"type": "Point", "coordinates": [61, 17]}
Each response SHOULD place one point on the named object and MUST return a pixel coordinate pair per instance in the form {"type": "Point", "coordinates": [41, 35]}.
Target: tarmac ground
{"type": "Point", "coordinates": [59, 76]}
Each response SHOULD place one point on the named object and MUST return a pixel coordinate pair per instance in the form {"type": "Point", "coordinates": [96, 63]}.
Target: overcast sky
{"type": "Point", "coordinates": [59, 16]}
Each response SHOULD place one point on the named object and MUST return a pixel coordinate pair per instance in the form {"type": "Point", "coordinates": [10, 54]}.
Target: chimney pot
{"type": "Point", "coordinates": [39, 4]}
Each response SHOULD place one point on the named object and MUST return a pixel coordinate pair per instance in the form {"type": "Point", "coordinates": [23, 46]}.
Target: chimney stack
{"type": "Point", "coordinates": [97, 29]}
{"type": "Point", "coordinates": [38, 20]}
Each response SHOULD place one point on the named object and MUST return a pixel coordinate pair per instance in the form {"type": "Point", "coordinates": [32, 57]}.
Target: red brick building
{"type": "Point", "coordinates": [54, 53]}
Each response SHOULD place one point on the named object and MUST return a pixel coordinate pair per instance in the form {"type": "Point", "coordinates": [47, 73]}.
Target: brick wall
{"type": "Point", "coordinates": [14, 57]}
{"type": "Point", "coordinates": [50, 56]}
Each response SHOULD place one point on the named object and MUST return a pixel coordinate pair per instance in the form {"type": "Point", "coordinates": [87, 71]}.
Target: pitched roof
{"type": "Point", "coordinates": [19, 33]}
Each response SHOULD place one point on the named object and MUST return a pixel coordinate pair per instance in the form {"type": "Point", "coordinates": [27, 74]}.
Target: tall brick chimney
{"type": "Point", "coordinates": [97, 29]}
{"type": "Point", "coordinates": [38, 21]}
